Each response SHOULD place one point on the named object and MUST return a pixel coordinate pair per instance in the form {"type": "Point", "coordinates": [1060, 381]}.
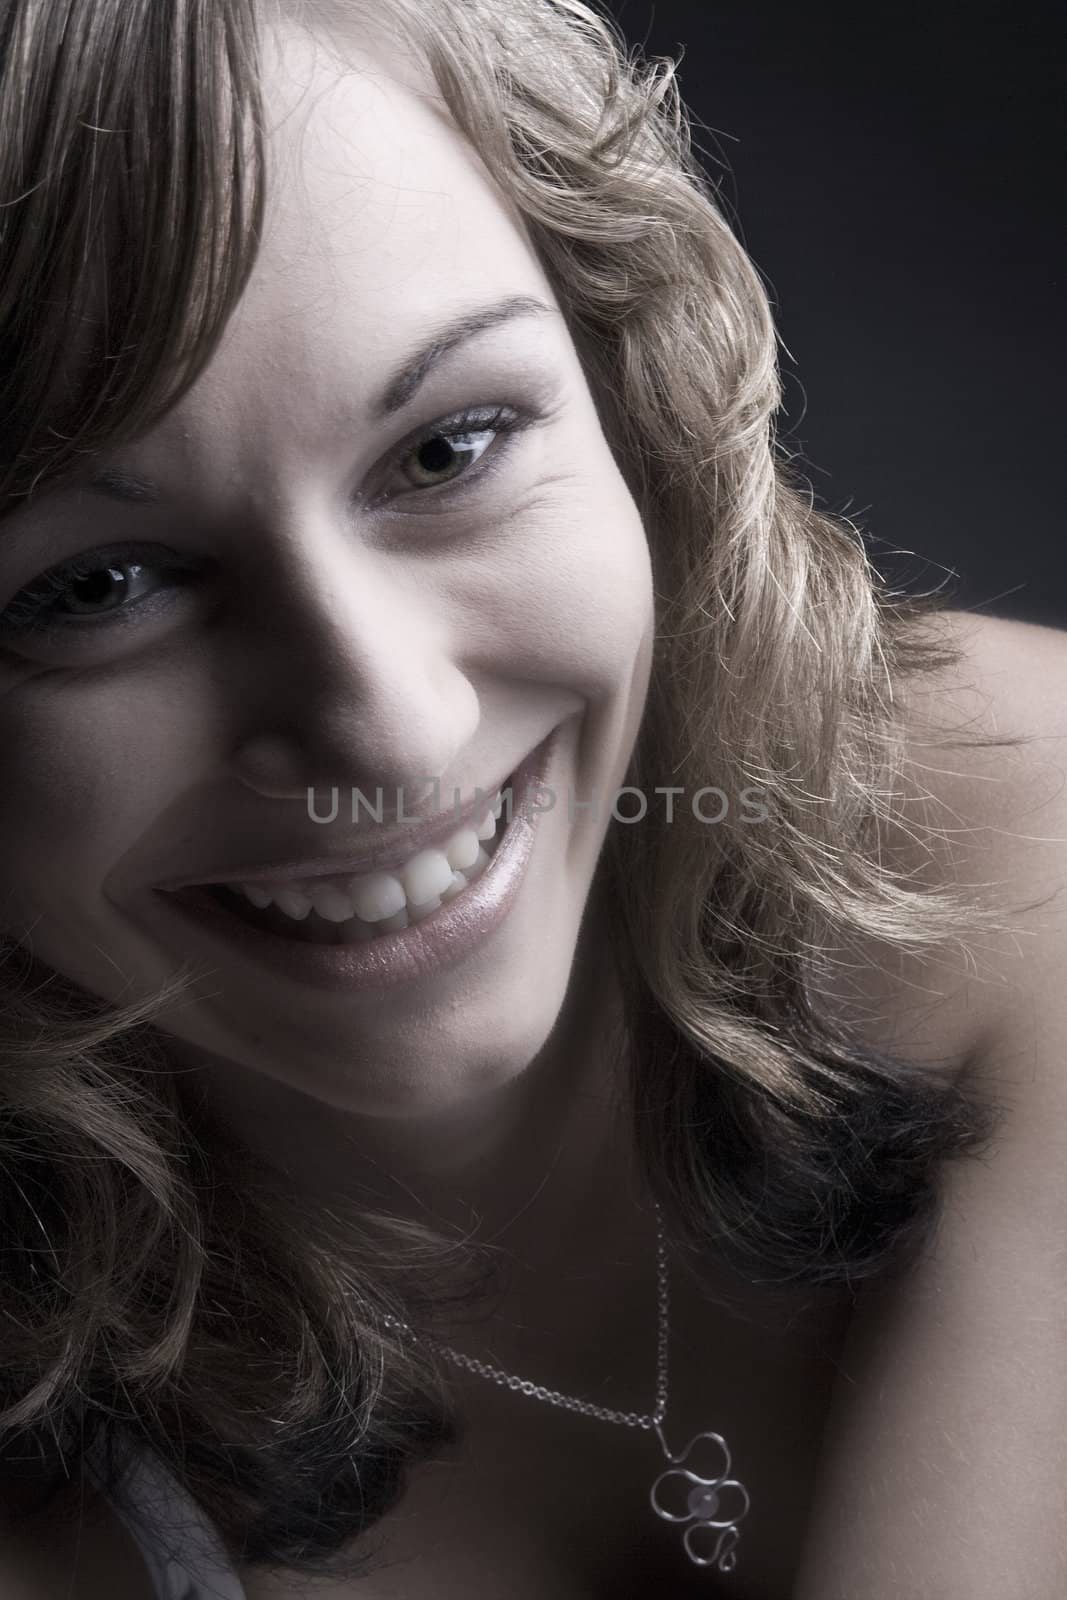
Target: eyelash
{"type": "Point", "coordinates": [24, 613]}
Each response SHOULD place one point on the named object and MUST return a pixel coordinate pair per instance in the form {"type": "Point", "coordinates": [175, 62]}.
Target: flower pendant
{"type": "Point", "coordinates": [702, 1504]}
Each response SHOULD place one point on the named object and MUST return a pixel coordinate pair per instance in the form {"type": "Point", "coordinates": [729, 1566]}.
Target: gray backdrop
{"type": "Point", "coordinates": [897, 174]}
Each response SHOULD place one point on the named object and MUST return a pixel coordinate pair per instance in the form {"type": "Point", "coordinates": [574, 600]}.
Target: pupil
{"type": "Point", "coordinates": [435, 455]}
{"type": "Point", "coordinates": [100, 581]}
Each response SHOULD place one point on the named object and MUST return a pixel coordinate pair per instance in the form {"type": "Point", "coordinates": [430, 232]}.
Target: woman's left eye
{"type": "Point", "coordinates": [454, 446]}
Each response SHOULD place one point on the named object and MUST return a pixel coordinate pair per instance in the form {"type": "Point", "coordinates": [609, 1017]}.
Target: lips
{"type": "Point", "coordinates": [313, 929]}
{"type": "Point", "coordinates": [452, 933]}
{"type": "Point", "coordinates": [387, 857]}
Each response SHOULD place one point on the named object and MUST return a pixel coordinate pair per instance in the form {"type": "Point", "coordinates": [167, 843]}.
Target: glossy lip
{"type": "Point", "coordinates": [394, 851]}
{"type": "Point", "coordinates": [446, 937]}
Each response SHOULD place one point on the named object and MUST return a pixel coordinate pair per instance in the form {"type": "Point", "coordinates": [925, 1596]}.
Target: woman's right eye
{"type": "Point", "coordinates": [92, 591]}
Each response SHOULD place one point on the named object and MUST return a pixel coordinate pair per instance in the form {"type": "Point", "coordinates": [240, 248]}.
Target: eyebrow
{"type": "Point", "coordinates": [118, 484]}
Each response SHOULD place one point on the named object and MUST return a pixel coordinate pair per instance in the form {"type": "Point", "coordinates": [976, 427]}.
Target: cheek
{"type": "Point", "coordinates": [567, 599]}
{"type": "Point", "coordinates": [82, 767]}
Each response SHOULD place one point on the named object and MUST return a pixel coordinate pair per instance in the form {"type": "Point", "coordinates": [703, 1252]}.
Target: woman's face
{"type": "Point", "coordinates": [353, 614]}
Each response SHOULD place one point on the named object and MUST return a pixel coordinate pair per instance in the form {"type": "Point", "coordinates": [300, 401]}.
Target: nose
{"type": "Point", "coordinates": [350, 680]}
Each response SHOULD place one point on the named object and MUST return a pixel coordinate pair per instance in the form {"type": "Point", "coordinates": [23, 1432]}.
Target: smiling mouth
{"type": "Point", "coordinates": [316, 929]}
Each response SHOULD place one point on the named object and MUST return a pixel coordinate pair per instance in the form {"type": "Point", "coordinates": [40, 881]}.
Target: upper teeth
{"type": "Point", "coordinates": [423, 882]}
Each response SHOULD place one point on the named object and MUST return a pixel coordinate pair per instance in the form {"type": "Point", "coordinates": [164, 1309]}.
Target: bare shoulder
{"type": "Point", "coordinates": [957, 1362]}
{"type": "Point", "coordinates": [992, 817]}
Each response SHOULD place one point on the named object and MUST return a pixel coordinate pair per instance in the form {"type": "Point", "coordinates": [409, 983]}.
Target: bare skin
{"type": "Point", "coordinates": [430, 637]}
{"type": "Point", "coordinates": [767, 1374]}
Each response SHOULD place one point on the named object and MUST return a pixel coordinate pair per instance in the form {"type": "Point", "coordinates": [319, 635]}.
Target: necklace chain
{"type": "Point", "coordinates": [703, 1511]}
{"type": "Point", "coordinates": [552, 1397]}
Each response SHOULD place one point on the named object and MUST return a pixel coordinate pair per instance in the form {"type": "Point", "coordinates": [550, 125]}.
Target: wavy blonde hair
{"type": "Point", "coordinates": [161, 1284]}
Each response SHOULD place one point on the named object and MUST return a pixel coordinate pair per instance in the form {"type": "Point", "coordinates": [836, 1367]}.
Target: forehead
{"type": "Point", "coordinates": [381, 223]}
{"type": "Point", "coordinates": [383, 231]}
{"type": "Point", "coordinates": [380, 214]}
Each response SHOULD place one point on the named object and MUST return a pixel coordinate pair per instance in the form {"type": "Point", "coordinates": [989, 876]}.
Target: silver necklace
{"type": "Point", "coordinates": [702, 1495]}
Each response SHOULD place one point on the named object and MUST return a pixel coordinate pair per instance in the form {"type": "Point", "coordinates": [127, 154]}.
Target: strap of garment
{"type": "Point", "coordinates": [182, 1549]}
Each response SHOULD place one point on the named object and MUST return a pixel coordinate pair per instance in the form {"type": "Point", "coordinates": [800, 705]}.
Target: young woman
{"type": "Point", "coordinates": [393, 1192]}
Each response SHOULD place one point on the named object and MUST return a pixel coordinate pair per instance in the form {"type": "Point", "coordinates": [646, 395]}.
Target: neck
{"type": "Point", "coordinates": [512, 1168]}
{"type": "Point", "coordinates": [543, 1171]}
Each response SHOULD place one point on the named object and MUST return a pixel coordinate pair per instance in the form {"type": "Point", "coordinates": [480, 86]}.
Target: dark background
{"type": "Point", "coordinates": [896, 173]}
